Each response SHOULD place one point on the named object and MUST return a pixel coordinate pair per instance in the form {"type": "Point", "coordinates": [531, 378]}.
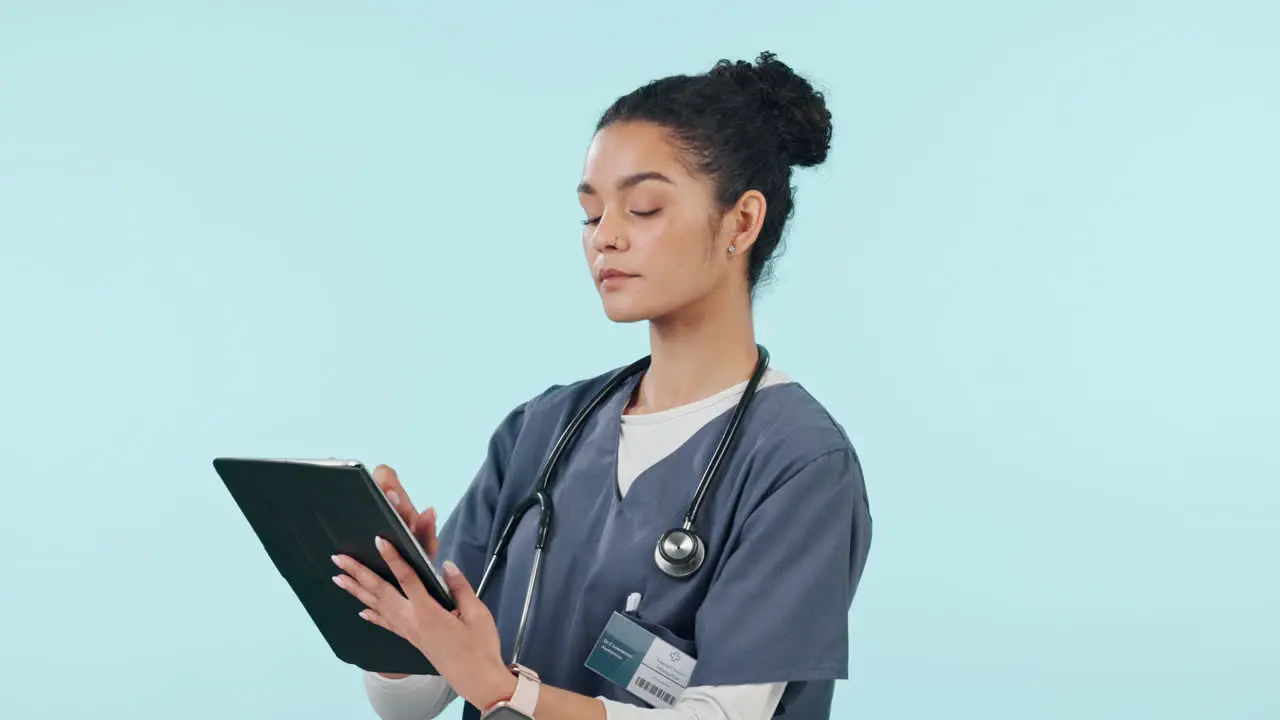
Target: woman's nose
{"type": "Point", "coordinates": [607, 235]}
{"type": "Point", "coordinates": [598, 242]}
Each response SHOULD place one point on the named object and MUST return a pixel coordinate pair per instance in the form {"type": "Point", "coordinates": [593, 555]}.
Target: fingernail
{"type": "Point", "coordinates": [337, 580]}
{"type": "Point", "coordinates": [450, 568]}
{"type": "Point", "coordinates": [393, 497]}
{"type": "Point", "coordinates": [336, 560]}
{"type": "Point", "coordinates": [382, 544]}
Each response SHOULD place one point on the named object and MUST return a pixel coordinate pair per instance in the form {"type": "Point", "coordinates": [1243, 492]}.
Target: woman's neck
{"type": "Point", "coordinates": [697, 354]}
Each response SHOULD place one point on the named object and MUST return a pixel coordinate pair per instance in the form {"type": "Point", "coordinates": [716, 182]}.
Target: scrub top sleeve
{"type": "Point", "coordinates": [465, 535]}
{"type": "Point", "coordinates": [778, 610]}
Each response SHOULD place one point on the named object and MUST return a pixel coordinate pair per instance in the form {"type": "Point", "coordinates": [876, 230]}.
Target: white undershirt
{"type": "Point", "coordinates": [650, 437]}
{"type": "Point", "coordinates": [645, 440]}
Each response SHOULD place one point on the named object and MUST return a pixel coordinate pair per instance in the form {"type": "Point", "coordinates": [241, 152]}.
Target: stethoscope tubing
{"type": "Point", "coordinates": [546, 509]}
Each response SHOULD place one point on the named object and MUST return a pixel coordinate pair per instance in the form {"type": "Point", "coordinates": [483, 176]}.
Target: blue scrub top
{"type": "Point", "coordinates": [787, 528]}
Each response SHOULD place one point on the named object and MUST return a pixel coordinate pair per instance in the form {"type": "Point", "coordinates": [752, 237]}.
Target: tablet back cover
{"type": "Point", "coordinates": [302, 514]}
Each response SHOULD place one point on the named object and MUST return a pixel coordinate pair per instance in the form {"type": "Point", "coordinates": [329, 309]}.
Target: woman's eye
{"type": "Point", "coordinates": [637, 213]}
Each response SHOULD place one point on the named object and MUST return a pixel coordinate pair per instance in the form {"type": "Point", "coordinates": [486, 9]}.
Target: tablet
{"type": "Point", "coordinates": [303, 512]}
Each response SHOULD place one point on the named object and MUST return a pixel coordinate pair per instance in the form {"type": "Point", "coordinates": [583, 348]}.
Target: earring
{"type": "Point", "coordinates": [731, 249]}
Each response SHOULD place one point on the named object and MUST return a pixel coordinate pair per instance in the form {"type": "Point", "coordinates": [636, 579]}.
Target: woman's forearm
{"type": "Point", "coordinates": [557, 704]}
{"type": "Point", "coordinates": [724, 702]}
{"type": "Point", "coordinates": [553, 703]}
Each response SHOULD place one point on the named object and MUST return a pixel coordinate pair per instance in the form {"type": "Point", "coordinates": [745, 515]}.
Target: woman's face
{"type": "Point", "coordinates": [654, 238]}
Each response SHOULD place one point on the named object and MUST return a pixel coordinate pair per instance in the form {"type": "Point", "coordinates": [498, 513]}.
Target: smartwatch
{"type": "Point", "coordinates": [523, 700]}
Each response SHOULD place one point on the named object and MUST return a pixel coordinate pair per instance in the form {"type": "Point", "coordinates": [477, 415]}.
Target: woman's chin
{"type": "Point", "coordinates": [625, 312]}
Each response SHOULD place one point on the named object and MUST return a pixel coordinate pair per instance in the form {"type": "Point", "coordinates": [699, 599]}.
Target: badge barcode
{"type": "Point", "coordinates": [667, 697]}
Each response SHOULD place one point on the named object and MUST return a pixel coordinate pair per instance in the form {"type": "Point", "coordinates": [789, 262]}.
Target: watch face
{"type": "Point", "coordinates": [503, 712]}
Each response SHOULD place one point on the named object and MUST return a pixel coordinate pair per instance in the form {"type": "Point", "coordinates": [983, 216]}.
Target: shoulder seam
{"type": "Point", "coordinates": [804, 466]}
{"type": "Point", "coordinates": [826, 413]}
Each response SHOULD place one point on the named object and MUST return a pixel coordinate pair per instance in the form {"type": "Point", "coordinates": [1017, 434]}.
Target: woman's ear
{"type": "Point", "coordinates": [743, 222]}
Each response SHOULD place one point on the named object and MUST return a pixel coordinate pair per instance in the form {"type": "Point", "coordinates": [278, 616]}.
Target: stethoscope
{"type": "Point", "coordinates": [680, 551]}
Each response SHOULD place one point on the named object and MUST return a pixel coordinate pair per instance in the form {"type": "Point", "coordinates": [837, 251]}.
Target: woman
{"type": "Point", "coordinates": [686, 190]}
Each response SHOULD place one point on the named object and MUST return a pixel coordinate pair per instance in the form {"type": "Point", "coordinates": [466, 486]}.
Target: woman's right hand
{"type": "Point", "coordinates": [422, 525]}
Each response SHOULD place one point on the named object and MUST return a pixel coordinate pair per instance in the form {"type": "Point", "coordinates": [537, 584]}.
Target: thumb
{"type": "Point", "coordinates": [463, 595]}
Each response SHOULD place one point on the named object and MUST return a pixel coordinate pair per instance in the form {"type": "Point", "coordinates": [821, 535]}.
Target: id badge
{"type": "Point", "coordinates": [646, 666]}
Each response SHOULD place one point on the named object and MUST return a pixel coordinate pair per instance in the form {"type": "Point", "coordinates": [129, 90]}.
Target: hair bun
{"type": "Point", "coordinates": [799, 112]}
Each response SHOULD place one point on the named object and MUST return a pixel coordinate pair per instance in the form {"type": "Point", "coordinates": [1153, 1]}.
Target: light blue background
{"type": "Point", "coordinates": [1036, 282]}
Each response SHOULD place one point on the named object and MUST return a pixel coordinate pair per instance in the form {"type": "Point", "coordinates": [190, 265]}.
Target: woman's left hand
{"type": "Point", "coordinates": [463, 645]}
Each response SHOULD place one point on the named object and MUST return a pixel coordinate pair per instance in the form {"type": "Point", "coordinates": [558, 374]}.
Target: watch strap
{"type": "Point", "coordinates": [525, 698]}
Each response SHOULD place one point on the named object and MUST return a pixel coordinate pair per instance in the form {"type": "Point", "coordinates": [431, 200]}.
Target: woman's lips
{"type": "Point", "coordinates": [611, 278]}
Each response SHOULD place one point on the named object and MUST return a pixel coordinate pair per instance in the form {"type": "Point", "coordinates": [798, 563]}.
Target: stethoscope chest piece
{"type": "Point", "coordinates": [679, 552]}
